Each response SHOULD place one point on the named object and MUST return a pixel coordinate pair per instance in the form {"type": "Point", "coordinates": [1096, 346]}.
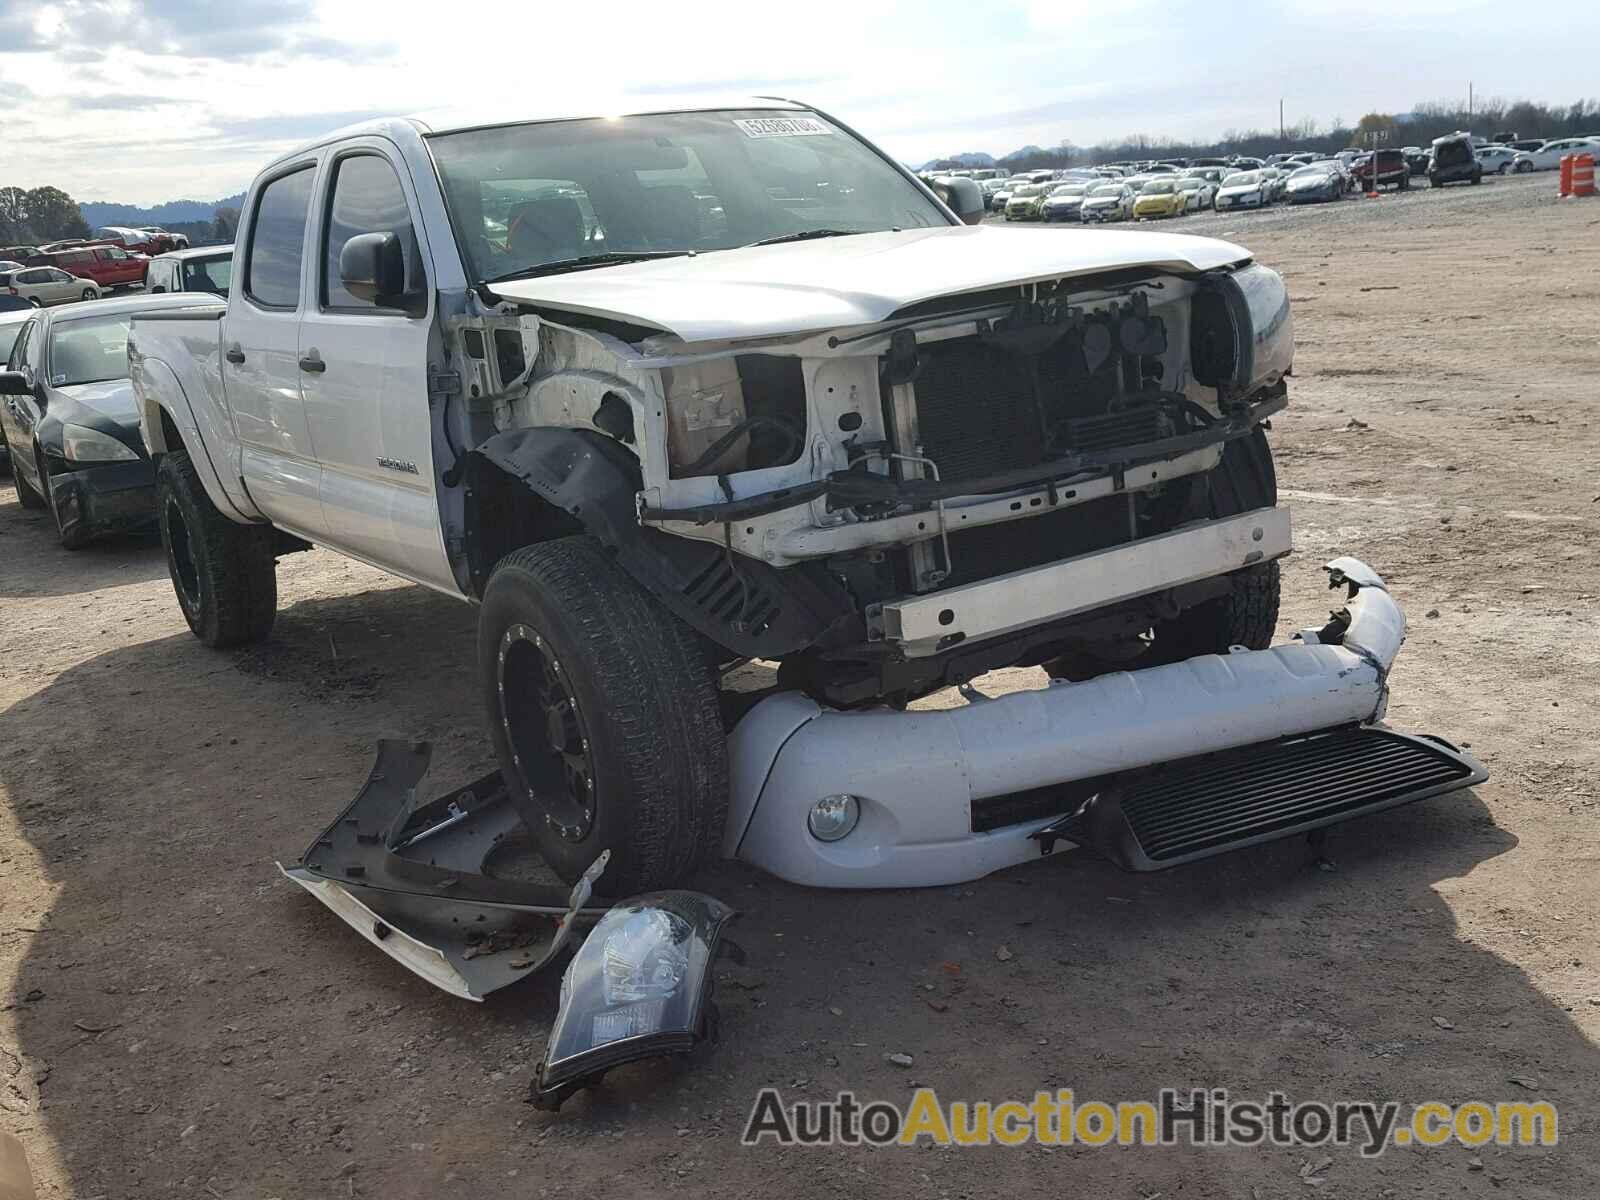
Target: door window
{"type": "Point", "coordinates": [19, 353]}
{"type": "Point", "coordinates": [277, 240]}
{"type": "Point", "coordinates": [366, 198]}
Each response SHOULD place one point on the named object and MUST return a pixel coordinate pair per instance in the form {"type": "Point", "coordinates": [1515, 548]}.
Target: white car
{"type": "Point", "coordinates": [43, 286]}
{"type": "Point", "coordinates": [1548, 156]}
{"type": "Point", "coordinates": [1108, 202]}
{"type": "Point", "coordinates": [1243, 189]}
{"type": "Point", "coordinates": [1199, 190]}
{"type": "Point", "coordinates": [1497, 160]}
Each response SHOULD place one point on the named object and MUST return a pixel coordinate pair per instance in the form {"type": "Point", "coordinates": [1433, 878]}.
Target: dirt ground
{"type": "Point", "coordinates": [195, 1026]}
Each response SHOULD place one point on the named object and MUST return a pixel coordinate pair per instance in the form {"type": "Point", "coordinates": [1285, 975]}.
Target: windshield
{"type": "Point", "coordinates": [1242, 179]}
{"type": "Point", "coordinates": [1159, 187]}
{"type": "Point", "coordinates": [1308, 173]}
{"type": "Point", "coordinates": [523, 196]}
{"type": "Point", "coordinates": [1190, 185]}
{"type": "Point", "coordinates": [1071, 189]}
{"type": "Point", "coordinates": [1107, 189]}
{"type": "Point", "coordinates": [89, 350]}
{"type": "Point", "coordinates": [208, 274]}
{"type": "Point", "coordinates": [1030, 189]}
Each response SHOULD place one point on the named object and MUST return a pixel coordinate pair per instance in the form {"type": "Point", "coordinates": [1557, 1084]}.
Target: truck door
{"type": "Point", "coordinates": [365, 376]}
{"type": "Point", "coordinates": [261, 356]}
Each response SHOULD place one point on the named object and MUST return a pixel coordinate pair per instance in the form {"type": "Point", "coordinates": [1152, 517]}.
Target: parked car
{"type": "Point", "coordinates": [1025, 202]}
{"type": "Point", "coordinates": [111, 267]}
{"type": "Point", "coordinates": [1391, 167]}
{"type": "Point", "coordinates": [1064, 202]}
{"type": "Point", "coordinates": [43, 286]}
{"type": "Point", "coordinates": [1416, 160]}
{"type": "Point", "coordinates": [1453, 159]}
{"type": "Point", "coordinates": [992, 187]}
{"type": "Point", "coordinates": [1548, 156]}
{"type": "Point", "coordinates": [1242, 189]}
{"type": "Point", "coordinates": [1314, 183]}
{"type": "Point", "coordinates": [1108, 202]}
{"type": "Point", "coordinates": [70, 422]}
{"type": "Point", "coordinates": [1159, 198]}
{"type": "Point", "coordinates": [1198, 192]}
{"type": "Point", "coordinates": [148, 241]}
{"type": "Point", "coordinates": [11, 322]}
{"type": "Point", "coordinates": [1496, 159]}
{"type": "Point", "coordinates": [206, 269]}
{"type": "Point", "coordinates": [1001, 196]}
{"type": "Point", "coordinates": [1526, 143]}
{"type": "Point", "coordinates": [1276, 180]}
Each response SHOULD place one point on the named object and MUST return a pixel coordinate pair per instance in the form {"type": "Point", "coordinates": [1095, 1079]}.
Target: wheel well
{"type": "Point", "coordinates": [502, 515]}
{"type": "Point", "coordinates": [170, 437]}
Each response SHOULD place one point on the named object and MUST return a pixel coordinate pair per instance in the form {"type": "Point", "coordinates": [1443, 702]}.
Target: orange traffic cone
{"type": "Point", "coordinates": [1566, 174]}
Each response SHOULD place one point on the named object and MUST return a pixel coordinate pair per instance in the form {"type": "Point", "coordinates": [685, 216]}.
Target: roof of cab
{"type": "Point", "coordinates": [456, 119]}
{"type": "Point", "coordinates": [189, 252]}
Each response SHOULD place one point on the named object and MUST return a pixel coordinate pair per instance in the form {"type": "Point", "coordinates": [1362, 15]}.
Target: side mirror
{"type": "Point", "coordinates": [372, 267]}
{"type": "Point", "coordinates": [964, 197]}
{"type": "Point", "coordinates": [14, 383]}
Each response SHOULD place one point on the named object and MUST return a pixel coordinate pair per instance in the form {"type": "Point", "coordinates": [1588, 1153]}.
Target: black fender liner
{"type": "Point", "coordinates": [747, 607]}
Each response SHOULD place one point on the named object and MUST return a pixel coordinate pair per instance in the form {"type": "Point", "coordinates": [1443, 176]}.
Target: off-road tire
{"type": "Point", "coordinates": [26, 496]}
{"type": "Point", "coordinates": [646, 708]}
{"type": "Point", "coordinates": [1245, 479]}
{"type": "Point", "coordinates": [224, 574]}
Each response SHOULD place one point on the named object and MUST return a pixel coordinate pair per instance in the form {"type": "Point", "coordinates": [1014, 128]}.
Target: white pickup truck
{"type": "Point", "coordinates": [664, 392]}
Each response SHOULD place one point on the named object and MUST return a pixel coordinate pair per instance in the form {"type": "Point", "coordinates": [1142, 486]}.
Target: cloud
{"type": "Point", "coordinates": [230, 30]}
{"type": "Point", "coordinates": [276, 127]}
{"type": "Point", "coordinates": [120, 102]}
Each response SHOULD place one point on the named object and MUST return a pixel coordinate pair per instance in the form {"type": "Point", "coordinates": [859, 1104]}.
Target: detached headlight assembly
{"type": "Point", "coordinates": [80, 444]}
{"type": "Point", "coordinates": [639, 987]}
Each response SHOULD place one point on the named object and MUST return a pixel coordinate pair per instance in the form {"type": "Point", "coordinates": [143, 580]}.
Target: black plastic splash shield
{"type": "Point", "coordinates": [409, 879]}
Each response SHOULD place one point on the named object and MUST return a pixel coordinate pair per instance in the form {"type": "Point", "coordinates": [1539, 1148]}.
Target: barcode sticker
{"type": "Point", "coordinates": [765, 127]}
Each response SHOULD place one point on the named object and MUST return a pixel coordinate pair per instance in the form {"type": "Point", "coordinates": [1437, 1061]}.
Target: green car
{"type": "Point", "coordinates": [1027, 202]}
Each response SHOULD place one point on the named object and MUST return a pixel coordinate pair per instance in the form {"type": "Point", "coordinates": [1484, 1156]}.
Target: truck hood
{"type": "Point", "coordinates": [831, 283]}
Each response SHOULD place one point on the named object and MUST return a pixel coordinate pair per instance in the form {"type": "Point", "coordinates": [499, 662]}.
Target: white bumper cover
{"type": "Point", "coordinates": [916, 774]}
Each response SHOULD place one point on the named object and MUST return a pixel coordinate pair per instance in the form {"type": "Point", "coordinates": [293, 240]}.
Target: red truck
{"type": "Point", "coordinates": [108, 265]}
{"type": "Point", "coordinates": [1392, 169]}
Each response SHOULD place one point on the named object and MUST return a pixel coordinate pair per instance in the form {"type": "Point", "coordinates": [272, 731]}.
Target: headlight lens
{"type": "Point", "coordinates": [638, 987]}
{"type": "Point", "coordinates": [80, 444]}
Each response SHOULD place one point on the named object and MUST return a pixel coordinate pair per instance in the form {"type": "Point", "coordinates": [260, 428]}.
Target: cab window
{"type": "Point", "coordinates": [277, 240]}
{"type": "Point", "coordinates": [366, 198]}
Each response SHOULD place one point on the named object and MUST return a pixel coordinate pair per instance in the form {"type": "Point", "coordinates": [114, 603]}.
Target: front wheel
{"type": "Point", "coordinates": [89, 293]}
{"type": "Point", "coordinates": [225, 574]}
{"type": "Point", "coordinates": [27, 495]}
{"type": "Point", "coordinates": [604, 714]}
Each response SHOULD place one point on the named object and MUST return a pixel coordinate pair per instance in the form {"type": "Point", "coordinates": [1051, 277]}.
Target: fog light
{"type": "Point", "coordinates": [832, 817]}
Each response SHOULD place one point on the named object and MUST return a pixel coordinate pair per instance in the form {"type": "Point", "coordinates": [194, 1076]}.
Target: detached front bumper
{"type": "Point", "coordinates": [951, 795]}
{"type": "Point", "coordinates": [106, 499]}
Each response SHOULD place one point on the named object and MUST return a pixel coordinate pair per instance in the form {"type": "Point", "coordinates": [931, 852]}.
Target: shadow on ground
{"type": "Point", "coordinates": [209, 1029]}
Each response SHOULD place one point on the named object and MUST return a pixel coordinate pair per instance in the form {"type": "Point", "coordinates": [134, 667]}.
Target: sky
{"type": "Point", "coordinates": [142, 101]}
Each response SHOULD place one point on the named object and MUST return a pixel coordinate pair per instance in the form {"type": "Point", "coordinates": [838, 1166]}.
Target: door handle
{"type": "Point", "coordinates": [235, 355]}
{"type": "Point", "coordinates": [313, 362]}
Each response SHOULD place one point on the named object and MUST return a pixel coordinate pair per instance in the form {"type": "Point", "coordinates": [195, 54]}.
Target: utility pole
{"type": "Point", "coordinates": [1469, 104]}
{"type": "Point", "coordinates": [1280, 118]}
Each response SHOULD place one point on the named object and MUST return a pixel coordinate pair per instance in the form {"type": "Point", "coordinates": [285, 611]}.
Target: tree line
{"type": "Point", "coordinates": [1428, 120]}
{"type": "Point", "coordinates": [42, 214]}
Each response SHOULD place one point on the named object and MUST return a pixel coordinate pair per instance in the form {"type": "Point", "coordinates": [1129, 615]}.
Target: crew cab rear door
{"type": "Point", "coordinates": [364, 373]}
{"type": "Point", "coordinates": [261, 352]}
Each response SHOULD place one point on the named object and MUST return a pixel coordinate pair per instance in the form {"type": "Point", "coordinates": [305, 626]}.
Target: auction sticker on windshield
{"type": "Point", "coordinates": [764, 127]}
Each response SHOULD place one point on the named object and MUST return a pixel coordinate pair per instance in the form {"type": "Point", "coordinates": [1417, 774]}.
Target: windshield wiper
{"type": "Point", "coordinates": [586, 260]}
{"type": "Point", "coordinates": [804, 235]}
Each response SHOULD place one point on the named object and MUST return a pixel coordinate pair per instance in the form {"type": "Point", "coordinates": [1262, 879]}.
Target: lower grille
{"type": "Point", "coordinates": [1177, 812]}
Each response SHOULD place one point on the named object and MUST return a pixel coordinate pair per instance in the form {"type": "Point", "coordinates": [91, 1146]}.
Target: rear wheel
{"type": "Point", "coordinates": [604, 715]}
{"type": "Point", "coordinates": [225, 574]}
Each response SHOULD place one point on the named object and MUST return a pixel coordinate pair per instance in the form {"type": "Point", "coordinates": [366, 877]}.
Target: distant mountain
{"type": "Point", "coordinates": [1025, 152]}
{"type": "Point", "coordinates": [173, 212]}
{"type": "Point", "coordinates": [969, 158]}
